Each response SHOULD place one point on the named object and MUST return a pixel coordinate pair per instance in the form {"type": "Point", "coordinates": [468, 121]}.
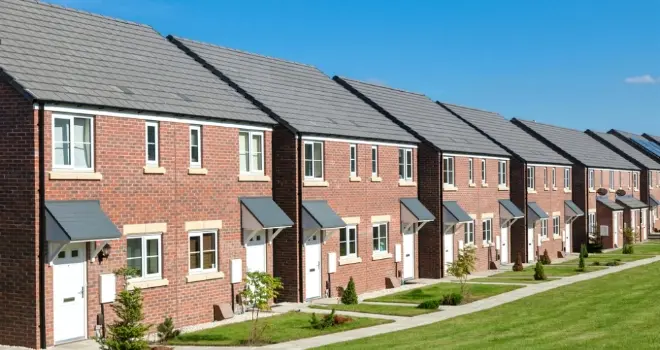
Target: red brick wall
{"type": "Point", "coordinates": [430, 237]}
{"type": "Point", "coordinates": [518, 178]}
{"type": "Point", "coordinates": [19, 220]}
{"type": "Point", "coordinates": [128, 196]}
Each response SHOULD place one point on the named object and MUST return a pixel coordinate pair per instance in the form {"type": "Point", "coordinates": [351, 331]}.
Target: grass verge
{"type": "Point", "coordinates": [436, 291]}
{"type": "Point", "coordinates": [392, 310]}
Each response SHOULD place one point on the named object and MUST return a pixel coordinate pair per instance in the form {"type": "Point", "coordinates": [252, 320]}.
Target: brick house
{"type": "Point", "coordinates": [343, 172]}
{"type": "Point", "coordinates": [605, 185]}
{"type": "Point", "coordinates": [473, 201]}
{"type": "Point", "coordinates": [540, 183]}
{"type": "Point", "coordinates": [114, 158]}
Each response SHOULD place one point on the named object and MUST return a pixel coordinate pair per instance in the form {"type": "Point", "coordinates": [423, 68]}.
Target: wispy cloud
{"type": "Point", "coordinates": [642, 79]}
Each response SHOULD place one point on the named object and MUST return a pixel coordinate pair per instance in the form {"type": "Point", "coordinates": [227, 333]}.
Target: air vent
{"type": "Point", "coordinates": [184, 97]}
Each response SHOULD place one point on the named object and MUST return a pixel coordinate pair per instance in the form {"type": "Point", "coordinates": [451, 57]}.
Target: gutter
{"type": "Point", "coordinates": [42, 230]}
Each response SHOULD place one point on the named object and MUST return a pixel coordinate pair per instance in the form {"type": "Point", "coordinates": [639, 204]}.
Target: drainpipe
{"type": "Point", "coordinates": [442, 219]}
{"type": "Point", "coordinates": [42, 231]}
{"type": "Point", "coordinates": [301, 233]}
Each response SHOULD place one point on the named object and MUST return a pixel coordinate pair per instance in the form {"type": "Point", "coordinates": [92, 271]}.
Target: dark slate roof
{"type": "Point", "coordinates": [609, 203]}
{"type": "Point", "coordinates": [624, 147]}
{"type": "Point", "coordinates": [267, 212]}
{"type": "Point", "coordinates": [653, 201]}
{"type": "Point", "coordinates": [323, 214]}
{"type": "Point", "coordinates": [537, 210]}
{"type": "Point", "coordinates": [584, 148]}
{"type": "Point", "coordinates": [631, 202]}
{"type": "Point", "coordinates": [452, 213]}
{"type": "Point", "coordinates": [512, 209]}
{"type": "Point", "coordinates": [571, 206]}
{"type": "Point", "coordinates": [79, 220]}
{"type": "Point", "coordinates": [424, 118]}
{"type": "Point", "coordinates": [511, 137]}
{"type": "Point", "coordinates": [300, 95]}
{"type": "Point", "coordinates": [417, 209]}
{"type": "Point", "coordinates": [63, 55]}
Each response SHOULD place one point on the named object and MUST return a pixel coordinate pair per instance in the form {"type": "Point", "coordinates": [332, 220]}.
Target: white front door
{"type": "Point", "coordinates": [615, 229]}
{"type": "Point", "coordinates": [530, 242]}
{"type": "Point", "coordinates": [449, 246]}
{"type": "Point", "coordinates": [645, 231]}
{"type": "Point", "coordinates": [256, 252]}
{"type": "Point", "coordinates": [504, 248]}
{"type": "Point", "coordinates": [313, 266]}
{"type": "Point", "coordinates": [69, 294]}
{"type": "Point", "coordinates": [567, 236]}
{"type": "Point", "coordinates": [409, 253]}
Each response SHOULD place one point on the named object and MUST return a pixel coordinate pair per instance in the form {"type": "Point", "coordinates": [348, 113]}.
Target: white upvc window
{"type": "Point", "coordinates": [544, 228]}
{"type": "Point", "coordinates": [554, 178]}
{"type": "Point", "coordinates": [470, 170]}
{"type": "Point", "coordinates": [591, 223]}
{"type": "Point", "coordinates": [143, 253]}
{"type": "Point", "coordinates": [374, 160]}
{"type": "Point", "coordinates": [501, 173]}
{"type": "Point", "coordinates": [611, 179]}
{"type": "Point", "coordinates": [602, 176]}
{"type": "Point", "coordinates": [469, 232]}
{"type": "Point", "coordinates": [591, 178]}
{"type": "Point", "coordinates": [379, 235]}
{"type": "Point", "coordinates": [195, 146]}
{"type": "Point", "coordinates": [151, 143]}
{"type": "Point", "coordinates": [530, 178]}
{"type": "Point", "coordinates": [348, 241]}
{"type": "Point", "coordinates": [635, 180]}
{"type": "Point", "coordinates": [487, 227]}
{"type": "Point", "coordinates": [203, 251]}
{"type": "Point", "coordinates": [630, 179]}
{"type": "Point", "coordinates": [251, 152]}
{"type": "Point", "coordinates": [650, 178]}
{"type": "Point", "coordinates": [567, 178]}
{"type": "Point", "coordinates": [314, 160]}
{"type": "Point", "coordinates": [405, 164]}
{"type": "Point", "coordinates": [448, 175]}
{"type": "Point", "coordinates": [73, 142]}
{"type": "Point", "coordinates": [353, 160]}
{"type": "Point", "coordinates": [483, 171]}
{"type": "Point", "coordinates": [620, 179]}
{"type": "Point", "coordinates": [545, 177]}
{"type": "Point", "coordinates": [555, 225]}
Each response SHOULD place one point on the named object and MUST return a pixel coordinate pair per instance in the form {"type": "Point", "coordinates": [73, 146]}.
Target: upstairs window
{"type": "Point", "coordinates": [487, 226]}
{"type": "Point", "coordinates": [353, 160]}
{"type": "Point", "coordinates": [601, 179]}
{"type": "Point", "coordinates": [251, 152]}
{"type": "Point", "coordinates": [554, 178]}
{"type": "Point", "coordinates": [374, 160]}
{"type": "Point", "coordinates": [545, 177]}
{"type": "Point", "coordinates": [448, 176]}
{"type": "Point", "coordinates": [591, 222]}
{"type": "Point", "coordinates": [591, 178]}
{"type": "Point", "coordinates": [567, 178]}
{"type": "Point", "coordinates": [621, 179]}
{"type": "Point", "coordinates": [195, 146]}
{"type": "Point", "coordinates": [470, 170]}
{"type": "Point", "coordinates": [483, 171]}
{"type": "Point", "coordinates": [151, 139]}
{"type": "Point", "coordinates": [501, 173]}
{"type": "Point", "coordinates": [636, 180]}
{"type": "Point", "coordinates": [73, 142]}
{"type": "Point", "coordinates": [530, 178]}
{"type": "Point", "coordinates": [405, 164]}
{"type": "Point", "coordinates": [313, 160]}
{"type": "Point", "coordinates": [611, 179]}
{"type": "Point", "coordinates": [650, 178]}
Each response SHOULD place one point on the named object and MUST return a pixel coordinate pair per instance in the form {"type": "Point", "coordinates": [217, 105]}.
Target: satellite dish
{"type": "Point", "coordinates": [620, 193]}
{"type": "Point", "coordinates": [602, 191]}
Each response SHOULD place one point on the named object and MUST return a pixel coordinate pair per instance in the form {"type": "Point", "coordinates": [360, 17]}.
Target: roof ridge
{"type": "Point", "coordinates": [468, 107]}
{"type": "Point", "coordinates": [244, 52]}
{"type": "Point", "coordinates": [42, 3]}
{"type": "Point", "coordinates": [382, 86]}
{"type": "Point", "coordinates": [552, 125]}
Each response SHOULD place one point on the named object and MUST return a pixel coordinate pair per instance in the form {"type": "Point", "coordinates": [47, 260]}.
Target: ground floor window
{"type": "Point", "coordinates": [203, 251]}
{"type": "Point", "coordinates": [348, 241]}
{"type": "Point", "coordinates": [379, 232]}
{"type": "Point", "coordinates": [591, 223]}
{"type": "Point", "coordinates": [469, 232]}
{"type": "Point", "coordinates": [487, 226]}
{"type": "Point", "coordinates": [544, 228]}
{"type": "Point", "coordinates": [144, 255]}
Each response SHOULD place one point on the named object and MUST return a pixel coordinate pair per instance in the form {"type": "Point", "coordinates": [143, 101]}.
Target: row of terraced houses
{"type": "Point", "coordinates": [195, 164]}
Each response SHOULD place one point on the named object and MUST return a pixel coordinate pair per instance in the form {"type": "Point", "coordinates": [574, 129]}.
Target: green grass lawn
{"type": "Point", "coordinates": [550, 271]}
{"type": "Point", "coordinates": [393, 310]}
{"type": "Point", "coordinates": [617, 311]}
{"type": "Point", "coordinates": [642, 248]}
{"type": "Point", "coordinates": [281, 328]}
{"type": "Point", "coordinates": [604, 258]}
{"type": "Point", "coordinates": [522, 279]}
{"type": "Point", "coordinates": [436, 291]}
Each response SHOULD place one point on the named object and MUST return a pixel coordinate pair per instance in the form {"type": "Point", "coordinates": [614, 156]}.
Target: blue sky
{"type": "Point", "coordinates": [581, 64]}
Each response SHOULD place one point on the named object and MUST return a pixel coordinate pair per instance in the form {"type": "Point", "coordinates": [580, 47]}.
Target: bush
{"type": "Point", "coordinates": [628, 248]}
{"type": "Point", "coordinates": [350, 295]}
{"type": "Point", "coordinates": [328, 320]}
{"type": "Point", "coordinates": [539, 273]}
{"type": "Point", "coordinates": [583, 251]}
{"type": "Point", "coordinates": [518, 266]}
{"type": "Point", "coordinates": [452, 299]}
{"type": "Point", "coordinates": [545, 258]}
{"type": "Point", "coordinates": [166, 330]}
{"type": "Point", "coordinates": [430, 304]}
{"type": "Point", "coordinates": [594, 248]}
{"type": "Point", "coordinates": [463, 266]}
{"type": "Point", "coordinates": [628, 235]}
{"type": "Point", "coordinates": [581, 263]}
{"type": "Point", "coordinates": [595, 263]}
{"type": "Point", "coordinates": [613, 263]}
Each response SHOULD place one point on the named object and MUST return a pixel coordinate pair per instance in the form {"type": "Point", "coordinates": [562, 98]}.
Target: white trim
{"type": "Point", "coordinates": [374, 160]}
{"type": "Point", "coordinates": [161, 118]}
{"type": "Point", "coordinates": [347, 242]}
{"type": "Point", "coordinates": [147, 124]}
{"type": "Point", "coordinates": [198, 163]}
{"type": "Point", "coordinates": [71, 140]}
{"type": "Point", "coordinates": [362, 142]}
{"type": "Point", "coordinates": [250, 152]}
{"type": "Point", "coordinates": [143, 241]}
{"type": "Point", "coordinates": [450, 179]}
{"type": "Point", "coordinates": [549, 165]}
{"type": "Point", "coordinates": [313, 177]}
{"type": "Point", "coordinates": [353, 147]}
{"type": "Point", "coordinates": [201, 234]}
{"type": "Point", "coordinates": [474, 156]}
{"type": "Point", "coordinates": [628, 170]}
{"type": "Point", "coordinates": [404, 177]}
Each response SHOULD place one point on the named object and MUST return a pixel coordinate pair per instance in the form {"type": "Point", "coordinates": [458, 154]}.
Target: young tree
{"type": "Point", "coordinates": [518, 266]}
{"type": "Point", "coordinates": [260, 289]}
{"type": "Point", "coordinates": [581, 265]}
{"type": "Point", "coordinates": [628, 240]}
{"type": "Point", "coordinates": [539, 272]}
{"type": "Point", "coordinates": [349, 297]}
{"type": "Point", "coordinates": [545, 258]}
{"type": "Point", "coordinates": [583, 251]}
{"type": "Point", "coordinates": [463, 266]}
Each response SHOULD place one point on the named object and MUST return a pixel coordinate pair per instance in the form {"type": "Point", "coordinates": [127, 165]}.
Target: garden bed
{"type": "Point", "coordinates": [436, 291]}
{"type": "Point", "coordinates": [550, 271]}
{"type": "Point", "coordinates": [392, 310]}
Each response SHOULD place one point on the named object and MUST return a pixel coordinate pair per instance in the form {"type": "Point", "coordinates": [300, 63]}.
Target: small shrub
{"type": "Point", "coordinates": [594, 248]}
{"type": "Point", "coordinates": [463, 266]}
{"type": "Point", "coordinates": [166, 330]}
{"type": "Point", "coordinates": [583, 251]}
{"type": "Point", "coordinates": [628, 235]}
{"type": "Point", "coordinates": [349, 297]}
{"type": "Point", "coordinates": [613, 263]}
{"type": "Point", "coordinates": [518, 266]}
{"type": "Point", "coordinates": [595, 263]}
{"type": "Point", "coordinates": [339, 319]}
{"type": "Point", "coordinates": [581, 263]}
{"type": "Point", "coordinates": [452, 299]}
{"type": "Point", "coordinates": [326, 321]}
{"type": "Point", "coordinates": [430, 304]}
{"type": "Point", "coordinates": [539, 273]}
{"type": "Point", "coordinates": [627, 248]}
{"type": "Point", "coordinates": [545, 258]}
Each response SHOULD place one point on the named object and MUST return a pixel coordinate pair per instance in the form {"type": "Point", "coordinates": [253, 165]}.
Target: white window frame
{"type": "Point", "coordinates": [469, 232]}
{"type": "Point", "coordinates": [567, 178]}
{"type": "Point", "coordinates": [374, 160]}
{"type": "Point", "coordinates": [314, 175]}
{"type": "Point", "coordinates": [554, 178]}
{"type": "Point", "coordinates": [470, 171]}
{"type": "Point", "coordinates": [147, 125]}
{"type": "Point", "coordinates": [143, 240]}
{"type": "Point", "coordinates": [611, 184]}
{"type": "Point", "coordinates": [591, 222]}
{"type": "Point", "coordinates": [487, 230]}
{"type": "Point", "coordinates": [601, 179]}
{"type": "Point", "coordinates": [620, 179]}
{"type": "Point", "coordinates": [352, 154]}
{"type": "Point", "coordinates": [201, 234]}
{"type": "Point", "coordinates": [347, 242]}
{"type": "Point", "coordinates": [380, 225]}
{"type": "Point", "coordinates": [197, 164]}
{"type": "Point", "coordinates": [544, 228]}
{"type": "Point", "coordinates": [635, 177]}
{"type": "Point", "coordinates": [555, 225]}
{"type": "Point", "coordinates": [501, 173]}
{"type": "Point", "coordinates": [483, 172]}
{"type": "Point", "coordinates": [403, 155]}
{"type": "Point", "coordinates": [531, 178]}
{"type": "Point", "coordinates": [592, 179]}
{"type": "Point", "coordinates": [545, 178]}
{"type": "Point", "coordinates": [71, 118]}
{"type": "Point", "coordinates": [448, 171]}
{"type": "Point", "coordinates": [251, 153]}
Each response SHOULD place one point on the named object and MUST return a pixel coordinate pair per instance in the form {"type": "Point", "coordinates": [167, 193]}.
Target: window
{"type": "Point", "coordinates": [567, 178]}
{"type": "Point", "coordinates": [203, 251]}
{"type": "Point", "coordinates": [620, 179]}
{"type": "Point", "coordinates": [544, 228]}
{"type": "Point", "coordinates": [143, 254]}
{"type": "Point", "coordinates": [545, 177]}
{"type": "Point", "coordinates": [374, 160]}
{"type": "Point", "coordinates": [591, 223]}
{"type": "Point", "coordinates": [348, 241]}
{"type": "Point", "coordinates": [405, 164]}
{"type": "Point", "coordinates": [313, 160]}
{"type": "Point", "coordinates": [554, 178]}
{"type": "Point", "coordinates": [555, 226]}
{"type": "Point", "coordinates": [601, 179]}
{"type": "Point", "coordinates": [448, 176]}
{"type": "Point", "coordinates": [530, 178]}
{"type": "Point", "coordinates": [195, 146]}
{"type": "Point", "coordinates": [501, 173]}
{"type": "Point", "coordinates": [611, 179]}
{"type": "Point", "coordinates": [73, 142]}
{"type": "Point", "coordinates": [487, 226]}
{"type": "Point", "coordinates": [353, 160]}
{"type": "Point", "coordinates": [650, 179]}
{"type": "Point", "coordinates": [152, 143]}
{"type": "Point", "coordinates": [591, 178]}
{"type": "Point", "coordinates": [380, 238]}
{"type": "Point", "coordinates": [629, 179]}
{"type": "Point", "coordinates": [635, 178]}
{"type": "Point", "coordinates": [469, 232]}
{"type": "Point", "coordinates": [251, 152]}
{"type": "Point", "coordinates": [483, 171]}
{"type": "Point", "coordinates": [470, 171]}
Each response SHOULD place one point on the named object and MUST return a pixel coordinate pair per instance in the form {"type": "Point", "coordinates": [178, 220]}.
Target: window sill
{"type": "Point", "coordinates": [253, 178]}
{"type": "Point", "coordinates": [472, 184]}
{"type": "Point", "coordinates": [381, 256]}
{"type": "Point", "coordinates": [404, 183]}
{"type": "Point", "coordinates": [611, 190]}
{"type": "Point", "coordinates": [531, 190]}
{"type": "Point", "coordinates": [556, 237]}
{"type": "Point", "coordinates": [348, 260]}
{"type": "Point", "coordinates": [449, 188]}
{"type": "Point", "coordinates": [484, 185]}
{"type": "Point", "coordinates": [311, 183]}
{"type": "Point", "coordinates": [636, 190]}
{"type": "Point", "coordinates": [376, 179]}
{"type": "Point", "coordinates": [148, 284]}
{"type": "Point", "coordinates": [153, 170]}
{"type": "Point", "coordinates": [545, 239]}
{"type": "Point", "coordinates": [546, 188]}
{"type": "Point", "coordinates": [502, 188]}
{"type": "Point", "coordinates": [205, 276]}
{"type": "Point", "coordinates": [197, 171]}
{"type": "Point", "coordinates": [487, 245]}
{"type": "Point", "coordinates": [566, 190]}
{"type": "Point", "coordinates": [554, 188]}
{"type": "Point", "coordinates": [74, 175]}
{"type": "Point", "coordinates": [355, 179]}
{"type": "Point", "coordinates": [591, 190]}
